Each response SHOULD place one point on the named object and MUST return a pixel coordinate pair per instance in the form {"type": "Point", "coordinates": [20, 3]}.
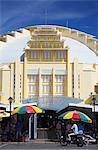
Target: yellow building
{"type": "Point", "coordinates": [45, 68]}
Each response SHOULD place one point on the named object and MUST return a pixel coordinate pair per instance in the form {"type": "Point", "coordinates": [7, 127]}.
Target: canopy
{"type": "Point", "coordinates": [55, 103]}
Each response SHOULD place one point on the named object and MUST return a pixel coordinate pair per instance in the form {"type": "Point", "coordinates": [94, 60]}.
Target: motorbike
{"type": "Point", "coordinates": [79, 140]}
{"type": "Point", "coordinates": [76, 139]}
{"type": "Point", "coordinates": [88, 139]}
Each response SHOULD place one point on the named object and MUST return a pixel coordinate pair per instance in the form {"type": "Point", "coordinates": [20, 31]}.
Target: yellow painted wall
{"type": "Point", "coordinates": [85, 75]}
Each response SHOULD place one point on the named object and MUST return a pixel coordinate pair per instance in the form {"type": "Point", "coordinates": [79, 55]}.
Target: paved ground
{"type": "Point", "coordinates": [36, 146]}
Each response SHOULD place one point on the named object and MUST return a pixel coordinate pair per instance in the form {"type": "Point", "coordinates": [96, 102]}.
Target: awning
{"type": "Point", "coordinates": [85, 106]}
{"type": "Point", "coordinates": [55, 103]}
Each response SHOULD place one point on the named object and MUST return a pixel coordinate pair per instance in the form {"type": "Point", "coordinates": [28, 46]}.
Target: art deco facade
{"type": "Point", "coordinates": [45, 69]}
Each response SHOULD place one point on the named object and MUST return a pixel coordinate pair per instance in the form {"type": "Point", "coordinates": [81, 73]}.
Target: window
{"type": "Point", "coordinates": [78, 81]}
{"type": "Point", "coordinates": [32, 89]}
{"type": "Point", "coordinates": [59, 88]}
{"type": "Point", "coordinates": [72, 81]}
{"type": "Point", "coordinates": [46, 89]}
{"type": "Point", "coordinates": [46, 55]}
{"type": "Point", "coordinates": [20, 95]}
{"type": "Point", "coordinates": [20, 81]}
{"type": "Point", "coordinates": [79, 95]}
{"type": "Point", "coordinates": [33, 78]}
{"type": "Point", "coordinates": [46, 78]}
{"type": "Point", "coordinates": [60, 78]}
{"type": "Point", "coordinates": [73, 94]}
{"type": "Point", "coordinates": [33, 55]}
{"type": "Point", "coordinates": [60, 55]}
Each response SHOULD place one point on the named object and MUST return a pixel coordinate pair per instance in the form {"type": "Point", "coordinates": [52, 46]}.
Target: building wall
{"type": "Point", "coordinates": [46, 65]}
{"type": "Point", "coordinates": [85, 77]}
{"type": "Point", "coordinates": [44, 74]}
{"type": "Point", "coordinates": [5, 81]}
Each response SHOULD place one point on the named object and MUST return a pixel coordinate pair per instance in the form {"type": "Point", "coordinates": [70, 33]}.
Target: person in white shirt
{"type": "Point", "coordinates": [75, 131]}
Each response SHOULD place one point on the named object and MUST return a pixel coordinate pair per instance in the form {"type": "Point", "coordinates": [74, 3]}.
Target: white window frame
{"type": "Point", "coordinates": [33, 78]}
{"type": "Point", "coordinates": [46, 89]}
{"type": "Point", "coordinates": [46, 55]}
{"type": "Point", "coordinates": [33, 55]}
{"type": "Point", "coordinates": [33, 88]}
{"type": "Point", "coordinates": [60, 55]}
{"type": "Point", "coordinates": [59, 78]}
{"type": "Point", "coordinates": [46, 78]}
{"type": "Point", "coordinates": [59, 89]}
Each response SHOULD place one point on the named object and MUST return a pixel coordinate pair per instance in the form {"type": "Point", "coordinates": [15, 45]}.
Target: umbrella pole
{"type": "Point", "coordinates": [34, 118]}
{"type": "Point", "coordinates": [30, 119]}
{"type": "Point", "coordinates": [35, 126]}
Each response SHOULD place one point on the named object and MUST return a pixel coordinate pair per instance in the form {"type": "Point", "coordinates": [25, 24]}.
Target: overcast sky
{"type": "Point", "coordinates": [77, 14]}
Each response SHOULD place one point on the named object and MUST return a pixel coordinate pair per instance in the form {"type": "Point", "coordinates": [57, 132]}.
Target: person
{"type": "Point", "coordinates": [80, 128]}
{"type": "Point", "coordinates": [74, 129]}
{"type": "Point", "coordinates": [68, 127]}
{"type": "Point", "coordinates": [19, 127]}
{"type": "Point", "coordinates": [58, 129]}
{"type": "Point", "coordinates": [63, 129]}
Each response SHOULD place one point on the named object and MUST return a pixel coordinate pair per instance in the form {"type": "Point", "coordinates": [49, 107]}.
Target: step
{"type": "Point", "coordinates": [41, 141]}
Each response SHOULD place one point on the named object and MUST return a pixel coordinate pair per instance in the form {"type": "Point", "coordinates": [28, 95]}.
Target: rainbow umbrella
{"type": "Point", "coordinates": [27, 109]}
{"type": "Point", "coordinates": [76, 116]}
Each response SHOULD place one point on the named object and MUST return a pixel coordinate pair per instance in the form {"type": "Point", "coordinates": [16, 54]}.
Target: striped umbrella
{"type": "Point", "coordinates": [75, 115]}
{"type": "Point", "coordinates": [27, 109]}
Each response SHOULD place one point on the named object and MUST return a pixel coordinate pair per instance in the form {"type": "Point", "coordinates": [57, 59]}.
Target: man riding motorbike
{"type": "Point", "coordinates": [74, 128]}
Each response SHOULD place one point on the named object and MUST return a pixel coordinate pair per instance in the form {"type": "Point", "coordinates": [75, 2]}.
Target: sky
{"type": "Point", "coordinates": [77, 14]}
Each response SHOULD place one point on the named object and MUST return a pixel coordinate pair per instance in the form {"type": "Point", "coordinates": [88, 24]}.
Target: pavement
{"type": "Point", "coordinates": [43, 146]}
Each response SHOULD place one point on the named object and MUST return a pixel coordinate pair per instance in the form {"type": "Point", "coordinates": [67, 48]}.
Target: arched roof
{"type": "Point", "coordinates": [87, 39]}
{"type": "Point", "coordinates": [16, 41]}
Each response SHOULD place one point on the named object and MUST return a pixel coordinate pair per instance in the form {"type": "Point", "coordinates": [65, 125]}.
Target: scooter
{"type": "Point", "coordinates": [88, 139]}
{"type": "Point", "coordinates": [76, 139]}
{"type": "Point", "coordinates": [79, 140]}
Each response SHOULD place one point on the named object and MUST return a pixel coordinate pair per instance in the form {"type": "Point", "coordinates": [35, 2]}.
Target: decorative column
{"type": "Point", "coordinates": [68, 76]}
{"type": "Point", "coordinates": [40, 83]}
{"type": "Point", "coordinates": [76, 90]}
{"type": "Point", "coordinates": [25, 77]}
{"type": "Point", "coordinates": [53, 82]}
